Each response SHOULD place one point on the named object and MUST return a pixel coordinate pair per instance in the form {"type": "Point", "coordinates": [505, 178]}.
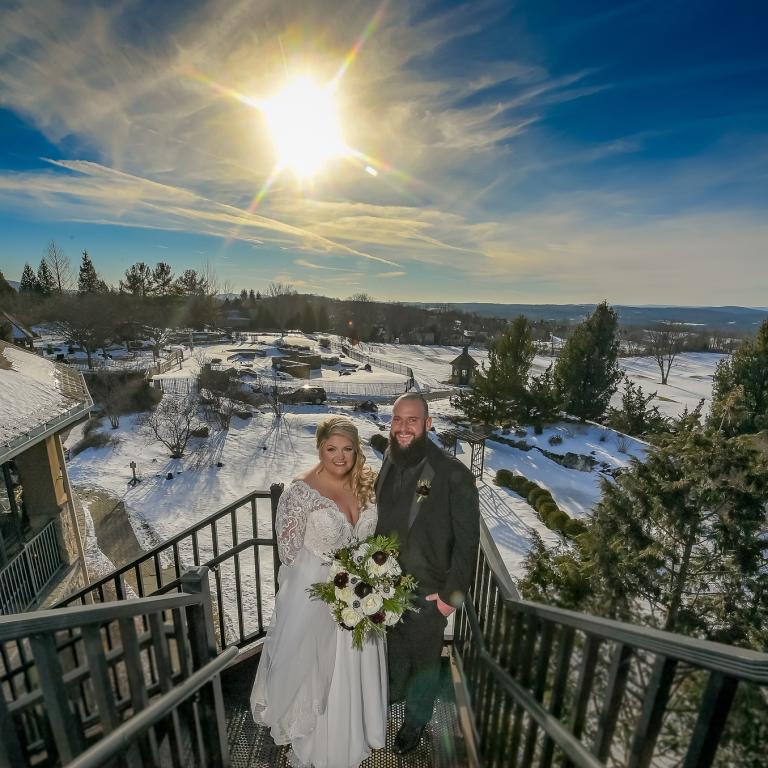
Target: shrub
{"type": "Point", "coordinates": [574, 528]}
{"type": "Point", "coordinates": [93, 440]}
{"type": "Point", "coordinates": [537, 429]}
{"type": "Point", "coordinates": [547, 507]}
{"type": "Point", "coordinates": [94, 422]}
{"type": "Point", "coordinates": [379, 442]}
{"type": "Point", "coordinates": [201, 431]}
{"type": "Point", "coordinates": [520, 433]}
{"type": "Point", "coordinates": [504, 477]}
{"type": "Point", "coordinates": [534, 495]}
{"type": "Point", "coordinates": [558, 520]}
{"type": "Point", "coordinates": [555, 439]}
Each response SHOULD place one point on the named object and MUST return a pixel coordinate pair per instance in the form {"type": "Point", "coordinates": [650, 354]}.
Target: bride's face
{"type": "Point", "coordinates": [337, 455]}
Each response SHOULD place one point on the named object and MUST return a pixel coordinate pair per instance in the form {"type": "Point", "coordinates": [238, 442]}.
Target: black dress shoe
{"type": "Point", "coordinates": [407, 739]}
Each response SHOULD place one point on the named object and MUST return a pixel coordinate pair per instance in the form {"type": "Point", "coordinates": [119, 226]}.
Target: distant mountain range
{"type": "Point", "coordinates": [719, 318]}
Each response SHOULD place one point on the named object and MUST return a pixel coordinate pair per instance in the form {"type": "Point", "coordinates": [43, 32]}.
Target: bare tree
{"type": "Point", "coordinates": [280, 289]}
{"type": "Point", "coordinates": [171, 422]}
{"type": "Point", "coordinates": [59, 266]}
{"type": "Point", "coordinates": [664, 344]}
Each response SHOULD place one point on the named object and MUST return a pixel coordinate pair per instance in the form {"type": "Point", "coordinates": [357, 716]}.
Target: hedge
{"type": "Point", "coordinates": [540, 499]}
{"type": "Point", "coordinates": [379, 442]}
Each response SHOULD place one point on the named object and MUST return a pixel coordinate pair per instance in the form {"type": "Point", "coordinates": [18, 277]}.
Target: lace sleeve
{"type": "Point", "coordinates": [290, 524]}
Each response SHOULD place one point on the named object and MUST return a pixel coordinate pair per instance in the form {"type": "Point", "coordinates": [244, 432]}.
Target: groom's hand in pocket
{"type": "Point", "coordinates": [444, 608]}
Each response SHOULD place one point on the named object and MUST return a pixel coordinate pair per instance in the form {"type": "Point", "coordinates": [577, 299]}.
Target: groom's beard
{"type": "Point", "coordinates": [411, 455]}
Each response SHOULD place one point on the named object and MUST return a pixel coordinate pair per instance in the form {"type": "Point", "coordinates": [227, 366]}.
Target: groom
{"type": "Point", "coordinates": [429, 499]}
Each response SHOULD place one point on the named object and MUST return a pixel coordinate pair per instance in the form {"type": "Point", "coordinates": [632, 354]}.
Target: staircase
{"type": "Point", "coordinates": [158, 680]}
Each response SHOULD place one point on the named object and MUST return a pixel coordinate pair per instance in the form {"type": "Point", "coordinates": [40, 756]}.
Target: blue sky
{"type": "Point", "coordinates": [535, 151]}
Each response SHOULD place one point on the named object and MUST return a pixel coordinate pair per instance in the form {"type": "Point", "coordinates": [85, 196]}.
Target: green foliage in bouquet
{"type": "Point", "coordinates": [366, 589]}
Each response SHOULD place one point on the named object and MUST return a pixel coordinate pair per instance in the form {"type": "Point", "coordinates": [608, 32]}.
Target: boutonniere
{"type": "Point", "coordinates": [422, 490]}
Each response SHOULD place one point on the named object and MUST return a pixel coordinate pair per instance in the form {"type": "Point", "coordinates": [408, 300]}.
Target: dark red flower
{"type": "Point", "coordinates": [363, 589]}
{"type": "Point", "coordinates": [378, 617]}
{"type": "Point", "coordinates": [379, 557]}
{"type": "Point", "coordinates": [340, 579]}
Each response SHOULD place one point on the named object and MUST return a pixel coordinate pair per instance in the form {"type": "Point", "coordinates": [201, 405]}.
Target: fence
{"type": "Point", "coordinates": [361, 357]}
{"type": "Point", "coordinates": [24, 579]}
{"type": "Point", "coordinates": [236, 542]}
{"type": "Point", "coordinates": [338, 388]}
{"type": "Point", "coordinates": [180, 386]}
{"type": "Point", "coordinates": [550, 686]}
{"type": "Point", "coordinates": [135, 679]}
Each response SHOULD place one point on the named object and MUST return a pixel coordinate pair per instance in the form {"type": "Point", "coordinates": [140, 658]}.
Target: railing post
{"type": "Point", "coordinates": [203, 648]}
{"type": "Point", "coordinates": [275, 491]}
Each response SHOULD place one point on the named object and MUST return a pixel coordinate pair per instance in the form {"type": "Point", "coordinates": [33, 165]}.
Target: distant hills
{"type": "Point", "coordinates": [720, 318]}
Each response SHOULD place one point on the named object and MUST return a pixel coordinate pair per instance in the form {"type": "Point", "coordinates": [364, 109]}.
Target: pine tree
{"type": "Point", "coordinates": [501, 391]}
{"type": "Point", "coordinates": [162, 279]}
{"type": "Point", "coordinates": [252, 298]}
{"type": "Point", "coordinates": [587, 371]}
{"type": "Point", "coordinates": [138, 279]}
{"type": "Point", "coordinates": [740, 392]}
{"type": "Point", "coordinates": [243, 296]}
{"type": "Point", "coordinates": [88, 281]}
{"type": "Point", "coordinates": [677, 543]}
{"type": "Point", "coordinates": [28, 283]}
{"type": "Point", "coordinates": [190, 283]}
{"type": "Point", "coordinates": [45, 282]}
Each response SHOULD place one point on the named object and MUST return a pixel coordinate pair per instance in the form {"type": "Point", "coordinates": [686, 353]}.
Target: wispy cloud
{"type": "Point", "coordinates": [473, 177]}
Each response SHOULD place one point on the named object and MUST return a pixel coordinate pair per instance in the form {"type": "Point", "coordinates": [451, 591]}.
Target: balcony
{"type": "Point", "coordinates": [158, 680]}
{"type": "Point", "coordinates": [25, 579]}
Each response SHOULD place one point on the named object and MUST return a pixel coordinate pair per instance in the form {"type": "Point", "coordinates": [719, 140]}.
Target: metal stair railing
{"type": "Point", "coordinates": [78, 682]}
{"type": "Point", "coordinates": [552, 686]}
{"type": "Point", "coordinates": [237, 543]}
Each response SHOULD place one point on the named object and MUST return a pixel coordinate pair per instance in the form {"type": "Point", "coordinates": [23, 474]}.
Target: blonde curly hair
{"type": "Point", "coordinates": [362, 477]}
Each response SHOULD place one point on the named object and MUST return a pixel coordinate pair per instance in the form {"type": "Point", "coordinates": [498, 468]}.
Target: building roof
{"type": "Point", "coordinates": [464, 360]}
{"type": "Point", "coordinates": [37, 398]}
{"type": "Point", "coordinates": [18, 329]}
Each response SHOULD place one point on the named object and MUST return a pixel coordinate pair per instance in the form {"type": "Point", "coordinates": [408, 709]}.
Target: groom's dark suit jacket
{"type": "Point", "coordinates": [439, 535]}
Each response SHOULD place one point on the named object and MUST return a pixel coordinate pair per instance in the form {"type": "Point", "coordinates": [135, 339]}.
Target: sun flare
{"type": "Point", "coordinates": [305, 128]}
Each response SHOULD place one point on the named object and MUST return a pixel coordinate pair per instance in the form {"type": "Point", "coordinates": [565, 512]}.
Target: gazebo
{"type": "Point", "coordinates": [463, 368]}
{"type": "Point", "coordinates": [451, 437]}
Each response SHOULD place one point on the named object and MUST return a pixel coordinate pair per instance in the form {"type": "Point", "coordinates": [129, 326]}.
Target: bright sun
{"type": "Point", "coordinates": [305, 126]}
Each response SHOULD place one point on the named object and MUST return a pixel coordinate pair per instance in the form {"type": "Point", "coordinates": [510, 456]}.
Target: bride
{"type": "Point", "coordinates": [313, 689]}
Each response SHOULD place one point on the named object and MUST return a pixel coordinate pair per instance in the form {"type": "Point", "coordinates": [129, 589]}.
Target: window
{"type": "Point", "coordinates": [11, 512]}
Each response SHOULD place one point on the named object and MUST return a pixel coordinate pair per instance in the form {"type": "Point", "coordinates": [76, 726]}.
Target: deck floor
{"type": "Point", "coordinates": [250, 745]}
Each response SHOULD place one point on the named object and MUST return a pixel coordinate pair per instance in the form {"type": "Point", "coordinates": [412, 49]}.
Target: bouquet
{"type": "Point", "coordinates": [366, 590]}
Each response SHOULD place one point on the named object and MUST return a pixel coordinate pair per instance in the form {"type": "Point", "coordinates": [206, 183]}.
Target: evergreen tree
{"type": "Point", "coordinates": [162, 279]}
{"type": "Point", "coordinates": [740, 392]}
{"type": "Point", "coordinates": [190, 283]}
{"type": "Point", "coordinates": [6, 289]}
{"type": "Point", "coordinates": [88, 281]}
{"type": "Point", "coordinates": [45, 282]}
{"type": "Point", "coordinates": [243, 296]}
{"type": "Point", "coordinates": [501, 391]}
{"type": "Point", "coordinates": [252, 298]}
{"type": "Point", "coordinates": [587, 371]}
{"type": "Point", "coordinates": [677, 543]}
{"type": "Point", "coordinates": [28, 284]}
{"type": "Point", "coordinates": [138, 279]}
{"type": "Point", "coordinates": [636, 416]}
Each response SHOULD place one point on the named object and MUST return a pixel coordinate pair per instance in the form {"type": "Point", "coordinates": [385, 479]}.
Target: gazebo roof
{"type": "Point", "coordinates": [464, 360]}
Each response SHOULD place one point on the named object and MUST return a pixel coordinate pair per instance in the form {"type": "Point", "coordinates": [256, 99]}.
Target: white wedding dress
{"type": "Point", "coordinates": [313, 689]}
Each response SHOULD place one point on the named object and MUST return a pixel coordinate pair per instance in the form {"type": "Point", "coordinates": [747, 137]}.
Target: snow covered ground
{"type": "Point", "coordinates": [259, 451]}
